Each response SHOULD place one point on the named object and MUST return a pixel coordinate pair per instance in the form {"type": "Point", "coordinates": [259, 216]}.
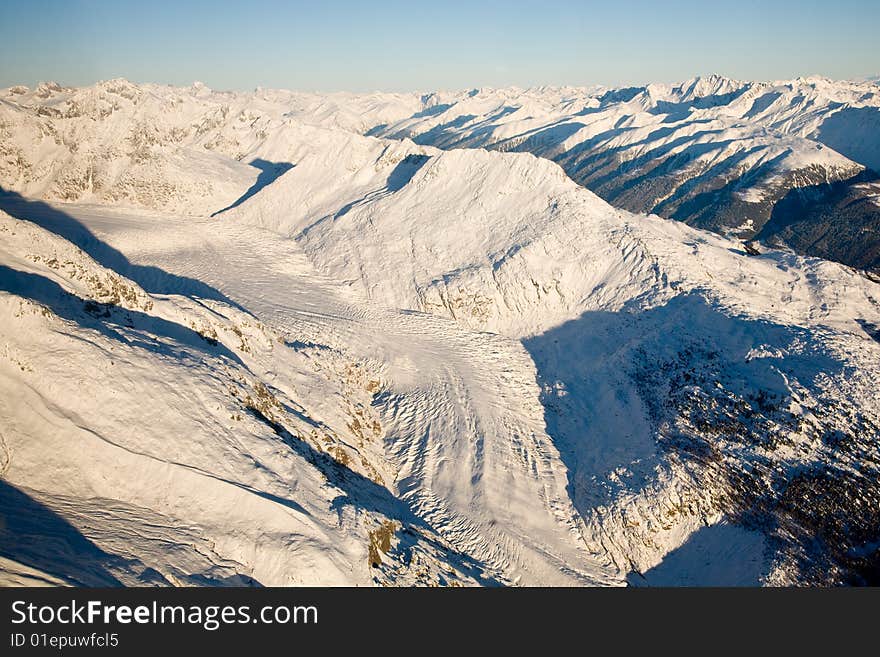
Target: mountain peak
{"type": "Point", "coordinates": [707, 85]}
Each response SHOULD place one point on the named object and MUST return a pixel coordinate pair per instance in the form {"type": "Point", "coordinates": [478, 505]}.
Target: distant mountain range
{"type": "Point", "coordinates": [790, 163]}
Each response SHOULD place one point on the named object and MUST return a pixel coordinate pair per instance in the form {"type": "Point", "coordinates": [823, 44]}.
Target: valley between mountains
{"type": "Point", "coordinates": [281, 338]}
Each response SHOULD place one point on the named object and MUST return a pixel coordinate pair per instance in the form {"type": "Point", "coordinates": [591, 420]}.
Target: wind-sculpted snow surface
{"type": "Point", "coordinates": [314, 438]}
{"type": "Point", "coordinates": [396, 364]}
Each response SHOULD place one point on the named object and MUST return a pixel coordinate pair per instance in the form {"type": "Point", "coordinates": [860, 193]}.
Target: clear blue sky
{"type": "Point", "coordinates": [412, 45]}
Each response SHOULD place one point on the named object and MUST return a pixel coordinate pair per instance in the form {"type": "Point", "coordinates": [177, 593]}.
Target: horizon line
{"type": "Point", "coordinates": [875, 78]}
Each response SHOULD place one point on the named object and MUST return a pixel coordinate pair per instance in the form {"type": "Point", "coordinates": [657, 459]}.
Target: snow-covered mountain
{"type": "Point", "coordinates": [791, 163]}
{"type": "Point", "coordinates": [731, 156]}
{"type": "Point", "coordinates": [682, 379]}
{"type": "Point", "coordinates": [389, 363]}
{"type": "Point", "coordinates": [265, 425]}
{"type": "Point", "coordinates": [190, 151]}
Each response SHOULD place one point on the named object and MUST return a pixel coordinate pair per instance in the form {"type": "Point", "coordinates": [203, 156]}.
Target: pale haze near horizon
{"type": "Point", "coordinates": [408, 46]}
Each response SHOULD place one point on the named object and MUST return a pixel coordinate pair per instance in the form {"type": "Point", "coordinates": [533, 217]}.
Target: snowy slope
{"type": "Point", "coordinates": [396, 364]}
{"type": "Point", "coordinates": [313, 421]}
